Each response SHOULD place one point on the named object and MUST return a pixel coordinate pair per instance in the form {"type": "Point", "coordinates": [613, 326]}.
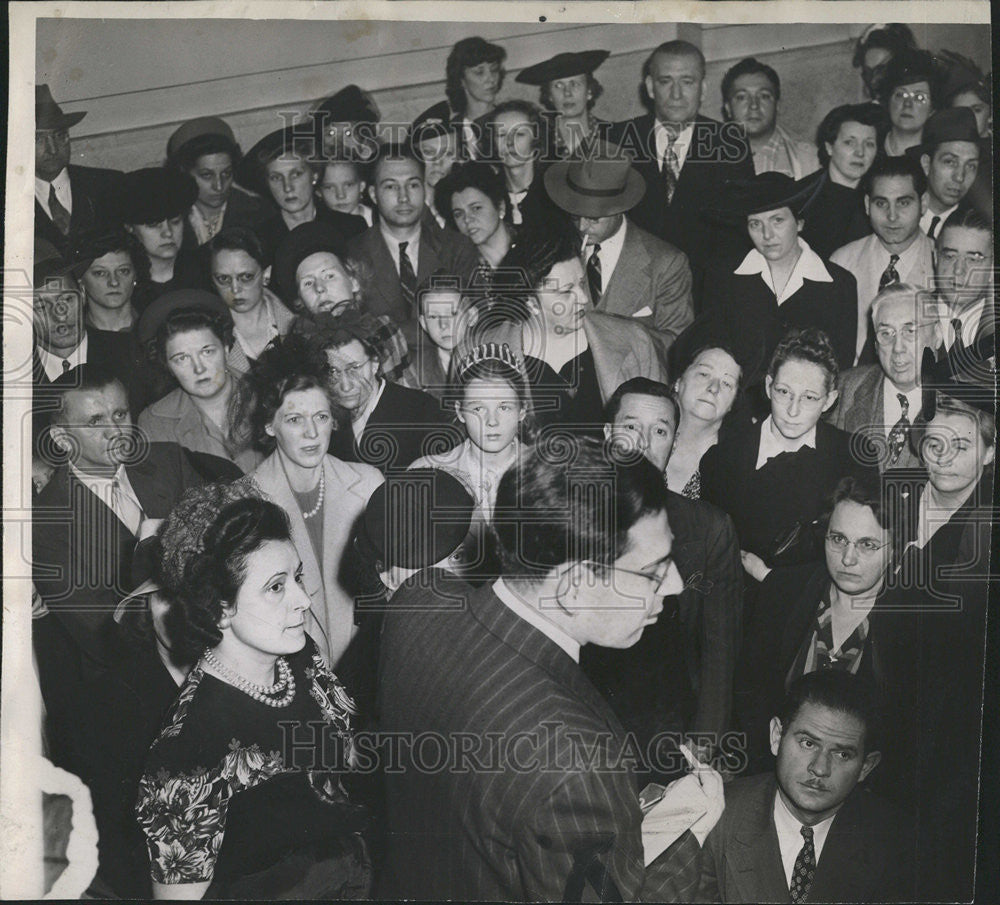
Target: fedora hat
{"type": "Point", "coordinates": [950, 124]}
{"type": "Point", "coordinates": [49, 115]}
{"type": "Point", "coordinates": [599, 185]}
{"type": "Point", "coordinates": [562, 66]}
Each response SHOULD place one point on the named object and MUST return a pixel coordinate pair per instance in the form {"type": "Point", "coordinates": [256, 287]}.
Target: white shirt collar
{"type": "Point", "coordinates": [412, 247]}
{"type": "Point", "coordinates": [611, 250]}
{"type": "Point", "coordinates": [772, 444]}
{"type": "Point", "coordinates": [533, 617]}
{"type": "Point", "coordinates": [53, 364]}
{"type": "Point", "coordinates": [790, 839]}
{"type": "Point", "coordinates": [928, 217]}
{"type": "Point", "coordinates": [358, 426]}
{"type": "Point", "coordinates": [681, 143]}
{"type": "Point", "coordinates": [809, 266]}
{"type": "Point", "coordinates": [891, 409]}
{"type": "Point", "coordinates": [101, 487]}
{"type": "Point", "coordinates": [64, 191]}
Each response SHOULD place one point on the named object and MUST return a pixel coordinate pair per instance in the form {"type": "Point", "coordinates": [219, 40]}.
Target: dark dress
{"type": "Point", "coordinates": [570, 397]}
{"type": "Point", "coordinates": [834, 216]}
{"type": "Point", "coordinates": [258, 808]}
{"type": "Point", "coordinates": [272, 230]}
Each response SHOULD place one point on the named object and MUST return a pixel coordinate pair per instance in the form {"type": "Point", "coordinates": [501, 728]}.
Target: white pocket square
{"type": "Point", "coordinates": [645, 311]}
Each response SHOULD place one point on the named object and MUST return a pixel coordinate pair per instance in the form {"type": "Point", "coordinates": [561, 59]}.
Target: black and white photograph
{"type": "Point", "coordinates": [500, 451]}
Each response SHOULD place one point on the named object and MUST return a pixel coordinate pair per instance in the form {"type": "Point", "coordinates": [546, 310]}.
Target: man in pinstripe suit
{"type": "Point", "coordinates": [511, 778]}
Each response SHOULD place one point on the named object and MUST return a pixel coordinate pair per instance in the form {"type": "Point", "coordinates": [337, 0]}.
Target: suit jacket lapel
{"type": "Point", "coordinates": [386, 277]}
{"type": "Point", "coordinates": [845, 872]}
{"type": "Point", "coordinates": [629, 280]}
{"type": "Point", "coordinates": [754, 854]}
{"type": "Point", "coordinates": [427, 255]}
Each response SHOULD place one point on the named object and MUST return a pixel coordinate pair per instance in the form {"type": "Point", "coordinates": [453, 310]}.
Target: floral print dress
{"type": "Point", "coordinates": [249, 796]}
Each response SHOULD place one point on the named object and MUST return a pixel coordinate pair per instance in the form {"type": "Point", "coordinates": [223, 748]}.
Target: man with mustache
{"type": "Point", "coordinates": [806, 832]}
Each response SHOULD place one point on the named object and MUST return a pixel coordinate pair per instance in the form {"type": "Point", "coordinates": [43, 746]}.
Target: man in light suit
{"type": "Point", "coordinates": [684, 157]}
{"type": "Point", "coordinates": [404, 247]}
{"type": "Point", "coordinates": [881, 401]}
{"type": "Point", "coordinates": [630, 272]}
{"type": "Point", "coordinates": [528, 800]}
{"type": "Point", "coordinates": [809, 832]}
{"type": "Point", "coordinates": [70, 200]}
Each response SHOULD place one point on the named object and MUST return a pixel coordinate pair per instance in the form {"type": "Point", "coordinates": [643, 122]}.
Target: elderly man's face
{"type": "Point", "coordinates": [902, 332]}
{"type": "Point", "coordinates": [51, 152]}
{"type": "Point", "coordinates": [676, 83]}
{"type": "Point", "coordinates": [963, 265]}
{"type": "Point", "coordinates": [58, 314]}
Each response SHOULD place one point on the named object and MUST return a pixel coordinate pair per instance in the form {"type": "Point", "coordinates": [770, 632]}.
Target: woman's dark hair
{"type": "Point", "coordinates": [810, 344]}
{"type": "Point", "coordinates": [97, 245]}
{"type": "Point", "coordinates": [213, 575]}
{"type": "Point", "coordinates": [466, 54]}
{"type": "Point", "coordinates": [288, 364]}
{"type": "Point", "coordinates": [595, 88]}
{"type": "Point", "coordinates": [187, 155]}
{"type": "Point", "coordinates": [474, 175]}
{"type": "Point", "coordinates": [184, 320]}
{"type": "Point", "coordinates": [869, 114]}
{"type": "Point", "coordinates": [238, 238]}
{"type": "Point", "coordinates": [909, 67]}
{"type": "Point", "coordinates": [865, 491]}
{"type": "Point", "coordinates": [570, 499]}
{"type": "Point", "coordinates": [523, 270]}
{"type": "Point", "coordinates": [531, 112]}
{"type": "Point", "coordinates": [894, 37]}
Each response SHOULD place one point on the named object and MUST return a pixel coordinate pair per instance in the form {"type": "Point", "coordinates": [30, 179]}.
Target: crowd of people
{"type": "Point", "coordinates": [411, 505]}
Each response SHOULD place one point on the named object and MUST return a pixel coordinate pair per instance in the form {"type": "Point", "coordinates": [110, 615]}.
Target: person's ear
{"type": "Point", "coordinates": [871, 762]}
{"type": "Point", "coordinates": [458, 412]}
{"type": "Point", "coordinates": [923, 209]}
{"type": "Point", "coordinates": [767, 385]}
{"type": "Point", "coordinates": [61, 438]}
{"type": "Point", "coordinates": [990, 454]}
{"type": "Point", "coordinates": [267, 275]}
{"type": "Point", "coordinates": [269, 428]}
{"type": "Point", "coordinates": [226, 618]}
{"type": "Point", "coordinates": [502, 209]}
{"type": "Point", "coordinates": [831, 398]}
{"type": "Point", "coordinates": [829, 148]}
{"type": "Point", "coordinates": [727, 111]}
{"type": "Point", "coordinates": [868, 206]}
{"type": "Point", "coordinates": [523, 414]}
{"type": "Point", "coordinates": [775, 733]}
{"type": "Point", "coordinates": [925, 163]}
{"type": "Point", "coordinates": [799, 223]}
{"type": "Point", "coordinates": [423, 323]}
{"type": "Point", "coordinates": [607, 431]}
{"type": "Point", "coordinates": [371, 195]}
{"type": "Point", "coordinates": [649, 87]}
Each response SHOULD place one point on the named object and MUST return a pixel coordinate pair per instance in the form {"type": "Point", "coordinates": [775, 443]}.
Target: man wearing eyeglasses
{"type": "Point", "coordinates": [817, 617]}
{"type": "Point", "coordinates": [528, 798]}
{"type": "Point", "coordinates": [879, 402]}
{"type": "Point", "coordinates": [897, 251]}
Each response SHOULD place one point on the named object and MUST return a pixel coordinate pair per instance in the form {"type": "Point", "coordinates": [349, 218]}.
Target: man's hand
{"type": "Point", "coordinates": [754, 566]}
{"type": "Point", "coordinates": [712, 788]}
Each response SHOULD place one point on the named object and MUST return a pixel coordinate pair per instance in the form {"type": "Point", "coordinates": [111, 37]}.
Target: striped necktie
{"type": "Point", "coordinates": [60, 216]}
{"type": "Point", "coordinates": [407, 277]}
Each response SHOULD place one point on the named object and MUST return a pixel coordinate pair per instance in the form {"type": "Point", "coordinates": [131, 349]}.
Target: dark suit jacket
{"type": "Point", "coordinates": [864, 858]}
{"type": "Point", "coordinates": [95, 200]}
{"type": "Point", "coordinates": [652, 274]}
{"type": "Point", "coordinates": [440, 249]}
{"type": "Point", "coordinates": [273, 229]}
{"type": "Point", "coordinates": [82, 553]}
{"type": "Point", "coordinates": [427, 365]}
{"type": "Point", "coordinates": [552, 832]}
{"type": "Point", "coordinates": [396, 431]}
{"type": "Point", "coordinates": [751, 312]}
{"type": "Point", "coordinates": [718, 151]}
{"type": "Point", "coordinates": [538, 211]}
{"type": "Point", "coordinates": [859, 410]}
{"type": "Point", "coordinates": [788, 488]}
{"type": "Point", "coordinates": [679, 676]}
{"type": "Point", "coordinates": [834, 214]}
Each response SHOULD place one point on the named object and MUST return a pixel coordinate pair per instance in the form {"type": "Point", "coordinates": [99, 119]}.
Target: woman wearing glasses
{"type": "Point", "coordinates": [817, 615]}
{"type": "Point", "coordinates": [909, 92]}
{"type": "Point", "coordinates": [321, 495]}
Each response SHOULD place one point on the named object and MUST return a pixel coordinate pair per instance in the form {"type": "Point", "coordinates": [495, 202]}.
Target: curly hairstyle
{"type": "Point", "coordinates": [808, 344]}
{"type": "Point", "coordinates": [289, 364]}
{"type": "Point", "coordinates": [206, 549]}
{"type": "Point", "coordinates": [474, 175]}
{"type": "Point", "coordinates": [867, 114]}
{"type": "Point", "coordinates": [100, 243]}
{"type": "Point", "coordinates": [466, 54]}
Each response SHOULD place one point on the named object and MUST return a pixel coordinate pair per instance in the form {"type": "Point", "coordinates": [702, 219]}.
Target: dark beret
{"type": "Point", "coordinates": [155, 194]}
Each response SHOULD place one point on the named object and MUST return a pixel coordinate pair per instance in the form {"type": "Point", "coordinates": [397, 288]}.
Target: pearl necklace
{"type": "Point", "coordinates": [319, 502]}
{"type": "Point", "coordinates": [266, 694]}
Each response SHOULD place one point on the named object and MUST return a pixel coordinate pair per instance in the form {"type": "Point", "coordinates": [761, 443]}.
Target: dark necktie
{"type": "Point", "coordinates": [594, 274]}
{"type": "Point", "coordinates": [933, 227]}
{"type": "Point", "coordinates": [890, 275]}
{"type": "Point", "coordinates": [407, 277]}
{"type": "Point", "coordinates": [66, 365]}
{"type": "Point", "coordinates": [897, 436]}
{"type": "Point", "coordinates": [804, 869]}
{"type": "Point", "coordinates": [669, 168]}
{"type": "Point", "coordinates": [60, 216]}
{"type": "Point", "coordinates": [956, 326]}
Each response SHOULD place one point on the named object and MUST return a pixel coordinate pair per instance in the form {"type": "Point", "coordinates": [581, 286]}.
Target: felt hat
{"type": "Point", "coordinates": [600, 185]}
{"type": "Point", "coordinates": [764, 192]}
{"type": "Point", "coordinates": [908, 68]}
{"type": "Point", "coordinates": [251, 170]}
{"type": "Point", "coordinates": [49, 264]}
{"type": "Point", "coordinates": [963, 75]}
{"type": "Point", "coordinates": [966, 373]}
{"type": "Point", "coordinates": [561, 66]}
{"type": "Point", "coordinates": [49, 115]}
{"type": "Point", "coordinates": [161, 308]}
{"type": "Point", "coordinates": [196, 128]}
{"type": "Point", "coordinates": [306, 239]}
{"type": "Point", "coordinates": [349, 105]}
{"type": "Point", "coordinates": [950, 124]}
{"type": "Point", "coordinates": [415, 519]}
{"type": "Point", "coordinates": [154, 194]}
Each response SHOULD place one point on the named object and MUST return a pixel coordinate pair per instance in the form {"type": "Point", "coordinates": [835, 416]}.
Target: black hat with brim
{"type": "Point", "coordinates": [306, 239]}
{"type": "Point", "coordinates": [251, 170]}
{"type": "Point", "coordinates": [155, 194]}
{"type": "Point", "coordinates": [741, 198]}
{"type": "Point", "coordinates": [562, 66]}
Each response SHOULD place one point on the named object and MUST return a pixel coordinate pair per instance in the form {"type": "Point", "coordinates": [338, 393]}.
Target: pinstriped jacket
{"type": "Point", "coordinates": [518, 791]}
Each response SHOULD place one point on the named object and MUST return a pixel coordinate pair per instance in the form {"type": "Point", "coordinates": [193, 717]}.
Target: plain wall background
{"type": "Point", "coordinates": [139, 79]}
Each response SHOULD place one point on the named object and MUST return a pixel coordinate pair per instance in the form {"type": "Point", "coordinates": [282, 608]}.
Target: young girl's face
{"type": "Point", "coordinates": [491, 413]}
{"type": "Point", "coordinates": [341, 187]}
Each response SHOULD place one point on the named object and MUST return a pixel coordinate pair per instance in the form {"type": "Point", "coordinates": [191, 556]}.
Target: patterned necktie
{"type": "Point", "coordinates": [897, 436]}
{"type": "Point", "coordinates": [407, 277]}
{"type": "Point", "coordinates": [594, 274]}
{"type": "Point", "coordinates": [126, 508]}
{"type": "Point", "coordinates": [66, 365]}
{"type": "Point", "coordinates": [669, 168]}
{"type": "Point", "coordinates": [933, 227]}
{"type": "Point", "coordinates": [890, 275]}
{"type": "Point", "coordinates": [956, 327]}
{"type": "Point", "coordinates": [805, 867]}
{"type": "Point", "coordinates": [60, 216]}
